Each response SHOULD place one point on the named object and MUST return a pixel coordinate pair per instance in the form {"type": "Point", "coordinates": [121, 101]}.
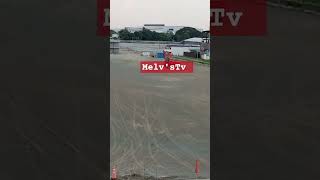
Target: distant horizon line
{"type": "Point", "coordinates": [208, 28]}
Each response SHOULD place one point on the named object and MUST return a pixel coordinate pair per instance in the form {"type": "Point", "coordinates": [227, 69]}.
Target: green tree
{"type": "Point", "coordinates": [170, 35]}
{"type": "Point", "coordinates": [125, 34]}
{"type": "Point", "coordinates": [112, 32]}
{"type": "Point", "coordinates": [147, 35]}
{"type": "Point", "coordinates": [138, 35]}
{"type": "Point", "coordinates": [186, 33]}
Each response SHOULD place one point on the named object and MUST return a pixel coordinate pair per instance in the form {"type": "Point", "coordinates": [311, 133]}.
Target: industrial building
{"type": "Point", "coordinates": [193, 47]}
{"type": "Point", "coordinates": [194, 41]}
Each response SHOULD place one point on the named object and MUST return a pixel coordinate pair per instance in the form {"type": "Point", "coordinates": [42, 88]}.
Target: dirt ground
{"type": "Point", "coordinates": [159, 122]}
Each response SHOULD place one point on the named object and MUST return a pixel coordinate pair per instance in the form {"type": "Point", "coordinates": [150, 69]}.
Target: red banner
{"type": "Point", "coordinates": [238, 17]}
{"type": "Point", "coordinates": [103, 18]}
{"type": "Point", "coordinates": [173, 66]}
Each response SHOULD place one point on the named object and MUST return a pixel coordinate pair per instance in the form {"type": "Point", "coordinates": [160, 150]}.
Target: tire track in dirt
{"type": "Point", "coordinates": [144, 133]}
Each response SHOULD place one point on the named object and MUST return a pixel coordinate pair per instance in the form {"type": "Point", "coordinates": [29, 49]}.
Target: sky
{"type": "Point", "coordinates": [132, 13]}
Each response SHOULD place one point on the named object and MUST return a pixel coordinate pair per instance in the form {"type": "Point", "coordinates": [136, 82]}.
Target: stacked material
{"type": "Point", "coordinates": [146, 53]}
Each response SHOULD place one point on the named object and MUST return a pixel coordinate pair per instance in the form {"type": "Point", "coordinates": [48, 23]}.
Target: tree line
{"type": "Point", "coordinates": [148, 35]}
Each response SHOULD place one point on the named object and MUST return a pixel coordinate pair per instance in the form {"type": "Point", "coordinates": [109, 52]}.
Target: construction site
{"type": "Point", "coordinates": [159, 123]}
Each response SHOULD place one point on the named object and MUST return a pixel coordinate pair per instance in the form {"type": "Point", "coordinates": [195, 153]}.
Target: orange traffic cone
{"type": "Point", "coordinates": [197, 169]}
{"type": "Point", "coordinates": [114, 174]}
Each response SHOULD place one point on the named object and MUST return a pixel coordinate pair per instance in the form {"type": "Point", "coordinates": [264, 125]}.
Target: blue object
{"type": "Point", "coordinates": [160, 55]}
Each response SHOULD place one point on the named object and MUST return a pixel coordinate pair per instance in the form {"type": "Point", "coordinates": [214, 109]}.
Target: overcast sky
{"type": "Point", "coordinates": [127, 13]}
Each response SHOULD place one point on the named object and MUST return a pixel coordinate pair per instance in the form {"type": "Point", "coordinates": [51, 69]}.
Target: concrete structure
{"type": "Point", "coordinates": [114, 46]}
